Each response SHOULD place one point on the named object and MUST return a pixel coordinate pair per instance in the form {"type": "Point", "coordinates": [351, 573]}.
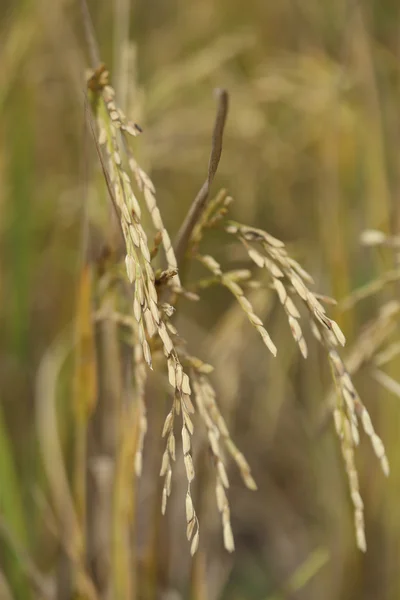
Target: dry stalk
{"type": "Point", "coordinates": [200, 202]}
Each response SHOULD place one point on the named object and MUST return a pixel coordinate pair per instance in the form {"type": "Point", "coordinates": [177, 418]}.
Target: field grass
{"type": "Point", "coordinates": [276, 127]}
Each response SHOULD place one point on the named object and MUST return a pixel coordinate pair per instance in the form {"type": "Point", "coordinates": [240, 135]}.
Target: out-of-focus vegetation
{"type": "Point", "coordinates": [311, 155]}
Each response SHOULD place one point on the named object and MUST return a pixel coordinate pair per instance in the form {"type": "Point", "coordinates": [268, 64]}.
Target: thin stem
{"type": "Point", "coordinates": [90, 36]}
{"type": "Point", "coordinates": [200, 202]}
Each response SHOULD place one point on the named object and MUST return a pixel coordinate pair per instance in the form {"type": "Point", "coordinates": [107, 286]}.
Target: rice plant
{"type": "Point", "coordinates": [198, 346]}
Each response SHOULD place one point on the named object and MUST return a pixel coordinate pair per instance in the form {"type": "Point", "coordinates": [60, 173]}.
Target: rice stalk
{"type": "Point", "coordinates": [289, 280]}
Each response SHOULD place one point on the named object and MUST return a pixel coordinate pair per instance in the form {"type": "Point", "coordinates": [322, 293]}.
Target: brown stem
{"type": "Point", "coordinates": [200, 202]}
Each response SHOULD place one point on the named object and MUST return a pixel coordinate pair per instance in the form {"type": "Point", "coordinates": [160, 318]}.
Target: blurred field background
{"type": "Point", "coordinates": [312, 155]}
